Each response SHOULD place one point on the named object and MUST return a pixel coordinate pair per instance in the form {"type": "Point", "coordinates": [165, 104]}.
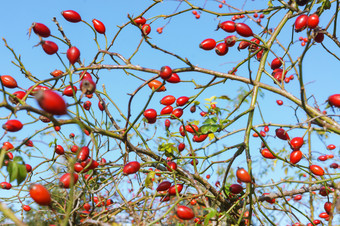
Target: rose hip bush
{"type": "Point", "coordinates": [171, 140]}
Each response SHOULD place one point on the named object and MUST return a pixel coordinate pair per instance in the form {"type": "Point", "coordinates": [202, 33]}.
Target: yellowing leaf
{"type": "Point", "coordinates": [211, 136]}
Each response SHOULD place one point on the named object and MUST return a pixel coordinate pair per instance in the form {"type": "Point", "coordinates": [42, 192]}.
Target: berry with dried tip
{"type": "Point", "coordinates": [208, 44]}
{"type": "Point", "coordinates": [41, 29]}
{"type": "Point", "coordinates": [12, 125]}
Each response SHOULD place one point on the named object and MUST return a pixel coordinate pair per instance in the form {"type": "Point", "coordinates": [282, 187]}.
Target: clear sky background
{"type": "Point", "coordinates": [181, 35]}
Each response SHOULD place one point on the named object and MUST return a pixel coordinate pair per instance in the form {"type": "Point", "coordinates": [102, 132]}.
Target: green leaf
{"type": "Point", "coordinates": [17, 159]}
{"type": "Point", "coordinates": [12, 170]}
{"type": "Point", "coordinates": [209, 128]}
{"type": "Point", "coordinates": [148, 179]}
{"type": "Point", "coordinates": [224, 97]}
{"type": "Point", "coordinates": [210, 121]}
{"type": "Point", "coordinates": [22, 173]}
{"type": "Point", "coordinates": [212, 213]}
{"type": "Point", "coordinates": [270, 4]}
{"type": "Point", "coordinates": [210, 99]}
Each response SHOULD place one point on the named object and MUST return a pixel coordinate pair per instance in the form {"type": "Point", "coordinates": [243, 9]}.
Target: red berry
{"type": "Point", "coordinates": [49, 47]}
{"type": "Point", "coordinates": [40, 194]}
{"type": "Point", "coordinates": [185, 213]}
{"type": "Point", "coordinates": [266, 129]}
{"type": "Point", "coordinates": [172, 189]}
{"type": "Point", "coordinates": [155, 84]}
{"type": "Point", "coordinates": [313, 21]}
{"type": "Point", "coordinates": [166, 110]}
{"type": "Point", "coordinates": [255, 15]}
{"type": "Point", "coordinates": [200, 138]}
{"type": "Point", "coordinates": [5, 185]}
{"type": "Point", "coordinates": [301, 22]}
{"type": "Point", "coordinates": [297, 197]}
{"type": "Point", "coordinates": [41, 30]}
{"type": "Point", "coordinates": [235, 189]}
{"type": "Point", "coordinates": [331, 147]}
{"type": "Point", "coordinates": [60, 150]}
{"type": "Point", "coordinates": [165, 72]}
{"type": "Point", "coordinates": [279, 102]}
{"type": "Point", "coordinates": [191, 128]}
{"type": "Point", "coordinates": [131, 167]}
{"type": "Point", "coordinates": [221, 49]}
{"type": "Point", "coordinates": [328, 206]}
{"type": "Point", "coordinates": [28, 168]}
{"type": "Point", "coordinates": [276, 63]}
{"type": "Point", "coordinates": [334, 165]}
{"type": "Point", "coordinates": [228, 26]}
{"type": "Point", "coordinates": [26, 208]}
{"type": "Point", "coordinates": [87, 206]}
{"type": "Point", "coordinates": [323, 215]}
{"type": "Point", "coordinates": [140, 21]}
{"type": "Point", "coordinates": [83, 154]}
{"type": "Point", "coordinates": [167, 123]}
{"type": "Point", "coordinates": [177, 113]}
{"type": "Point", "coordinates": [71, 16]}
{"type": "Point", "coordinates": [322, 158]}
{"type": "Point", "coordinates": [334, 100]}
{"type": "Point", "coordinates": [74, 148]}
{"type": "Point", "coordinates": [182, 101]}
{"type": "Point", "coordinates": [12, 125]}
{"type": "Point", "coordinates": [267, 154]}
{"type": "Point", "coordinates": [101, 105]}
{"type": "Point", "coordinates": [295, 156]}
{"type": "Point", "coordinates": [17, 95]}
{"type": "Point", "coordinates": [73, 54]}
{"type": "Point", "coordinates": [56, 73]}
{"type": "Point", "coordinates": [8, 81]}
{"type": "Point", "coordinates": [51, 102]}
{"type": "Point", "coordinates": [244, 30]}
{"type": "Point", "coordinates": [181, 147]}
{"type": "Point", "coordinates": [168, 100]}
{"type": "Point", "coordinates": [243, 45]}
{"type": "Point", "coordinates": [174, 78]}
{"type": "Point", "coordinates": [243, 175]}
{"type": "Point", "coordinates": [296, 143]}
{"type": "Point", "coordinates": [282, 134]}
{"type": "Point", "coordinates": [172, 166]}
{"type": "Point", "coordinates": [87, 105]}
{"type": "Point", "coordinates": [150, 114]}
{"type": "Point", "coordinates": [159, 30]}
{"type": "Point", "coordinates": [208, 44]}
{"type": "Point", "coordinates": [146, 29]}
{"type": "Point", "coordinates": [65, 180]}
{"type": "Point", "coordinates": [98, 26]}
{"type": "Point", "coordinates": [317, 170]}
{"type": "Point", "coordinates": [68, 91]}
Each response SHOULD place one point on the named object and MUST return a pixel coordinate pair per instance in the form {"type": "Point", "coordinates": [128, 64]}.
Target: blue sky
{"type": "Point", "coordinates": [181, 35]}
